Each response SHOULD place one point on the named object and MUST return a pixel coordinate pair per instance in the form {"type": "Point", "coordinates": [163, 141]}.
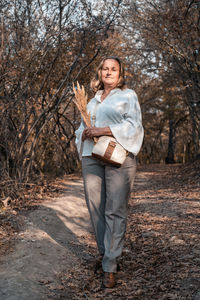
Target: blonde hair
{"type": "Point", "coordinates": [97, 84]}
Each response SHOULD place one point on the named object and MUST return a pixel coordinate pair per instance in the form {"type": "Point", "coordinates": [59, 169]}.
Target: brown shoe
{"type": "Point", "coordinates": [108, 280]}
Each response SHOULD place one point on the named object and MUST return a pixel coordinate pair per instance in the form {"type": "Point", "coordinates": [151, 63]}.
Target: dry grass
{"type": "Point", "coordinates": [81, 103]}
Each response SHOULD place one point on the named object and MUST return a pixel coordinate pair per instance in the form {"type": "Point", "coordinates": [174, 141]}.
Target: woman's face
{"type": "Point", "coordinates": [110, 73]}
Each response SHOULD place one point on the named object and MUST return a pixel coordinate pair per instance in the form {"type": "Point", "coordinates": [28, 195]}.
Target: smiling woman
{"type": "Point", "coordinates": [97, 83]}
{"type": "Point", "coordinates": [107, 188]}
{"type": "Point", "coordinates": [109, 76]}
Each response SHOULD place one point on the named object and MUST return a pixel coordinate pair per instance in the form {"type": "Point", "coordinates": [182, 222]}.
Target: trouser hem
{"type": "Point", "coordinates": [110, 270]}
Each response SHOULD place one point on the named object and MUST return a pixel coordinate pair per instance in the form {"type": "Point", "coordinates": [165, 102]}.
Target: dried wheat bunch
{"type": "Point", "coordinates": [81, 103]}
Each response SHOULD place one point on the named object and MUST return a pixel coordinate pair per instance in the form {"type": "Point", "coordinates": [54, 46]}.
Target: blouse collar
{"type": "Point", "coordinates": [100, 92]}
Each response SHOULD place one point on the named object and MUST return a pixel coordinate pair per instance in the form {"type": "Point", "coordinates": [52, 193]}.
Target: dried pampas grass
{"type": "Point", "coordinates": [81, 103]}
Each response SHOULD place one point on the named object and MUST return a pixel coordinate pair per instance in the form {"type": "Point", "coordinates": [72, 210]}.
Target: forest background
{"type": "Point", "coordinates": [46, 46]}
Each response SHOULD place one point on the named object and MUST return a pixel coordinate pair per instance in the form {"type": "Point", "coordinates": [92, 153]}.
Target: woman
{"type": "Point", "coordinates": [107, 188]}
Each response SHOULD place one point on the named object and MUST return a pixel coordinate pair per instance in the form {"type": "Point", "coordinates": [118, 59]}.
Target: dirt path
{"type": "Point", "coordinates": [54, 254]}
{"type": "Point", "coordinates": [49, 244]}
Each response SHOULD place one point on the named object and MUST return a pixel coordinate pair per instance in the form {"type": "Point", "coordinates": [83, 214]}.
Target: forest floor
{"type": "Point", "coordinates": [47, 249]}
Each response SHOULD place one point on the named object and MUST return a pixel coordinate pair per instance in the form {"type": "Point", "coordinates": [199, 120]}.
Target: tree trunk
{"type": "Point", "coordinates": [170, 154]}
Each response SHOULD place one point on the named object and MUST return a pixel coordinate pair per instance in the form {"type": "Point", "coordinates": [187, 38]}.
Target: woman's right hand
{"type": "Point", "coordinates": [91, 132]}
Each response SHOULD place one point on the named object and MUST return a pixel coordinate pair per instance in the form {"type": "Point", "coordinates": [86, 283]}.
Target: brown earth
{"type": "Point", "coordinates": [48, 250]}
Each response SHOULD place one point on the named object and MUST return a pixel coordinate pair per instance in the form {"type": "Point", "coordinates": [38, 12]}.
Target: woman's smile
{"type": "Point", "coordinates": [110, 73]}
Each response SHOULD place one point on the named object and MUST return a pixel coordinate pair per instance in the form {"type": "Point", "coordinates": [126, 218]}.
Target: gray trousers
{"type": "Point", "coordinates": [107, 190]}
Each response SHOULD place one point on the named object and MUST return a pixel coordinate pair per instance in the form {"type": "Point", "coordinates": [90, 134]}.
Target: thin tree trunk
{"type": "Point", "coordinates": [170, 154]}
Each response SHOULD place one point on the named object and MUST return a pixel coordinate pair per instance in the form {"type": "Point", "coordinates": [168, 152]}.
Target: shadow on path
{"type": "Point", "coordinates": [51, 242]}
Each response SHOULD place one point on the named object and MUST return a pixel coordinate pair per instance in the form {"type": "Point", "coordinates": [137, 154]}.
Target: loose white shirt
{"type": "Point", "coordinates": [120, 111]}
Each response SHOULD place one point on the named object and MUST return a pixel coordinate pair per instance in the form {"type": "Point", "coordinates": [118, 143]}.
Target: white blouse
{"type": "Point", "coordinates": [121, 111]}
